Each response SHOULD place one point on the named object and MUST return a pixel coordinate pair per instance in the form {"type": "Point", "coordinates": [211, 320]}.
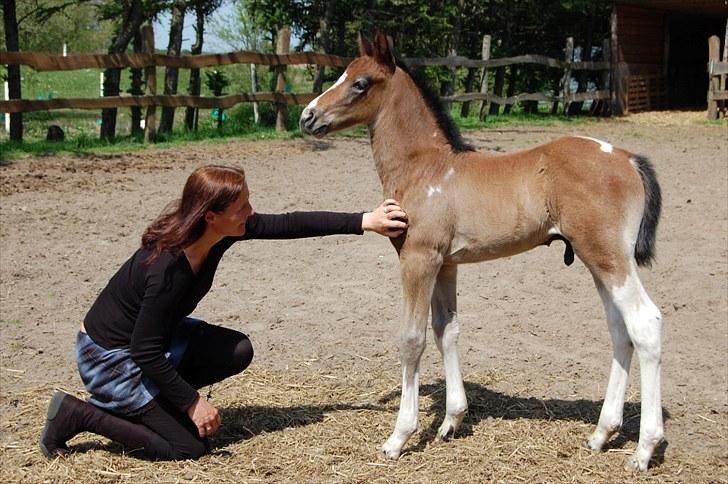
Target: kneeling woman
{"type": "Point", "coordinates": [140, 355]}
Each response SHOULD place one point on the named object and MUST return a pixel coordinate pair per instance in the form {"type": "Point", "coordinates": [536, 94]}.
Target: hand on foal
{"type": "Point", "coordinates": [205, 417]}
{"type": "Point", "coordinates": [387, 219]}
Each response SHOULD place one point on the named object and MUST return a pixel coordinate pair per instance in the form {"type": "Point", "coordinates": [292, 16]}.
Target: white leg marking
{"type": "Point", "coordinates": [418, 280]}
{"type": "Point", "coordinates": [610, 418]}
{"type": "Point", "coordinates": [603, 145]}
{"type": "Point", "coordinates": [643, 324]}
{"type": "Point", "coordinates": [446, 330]}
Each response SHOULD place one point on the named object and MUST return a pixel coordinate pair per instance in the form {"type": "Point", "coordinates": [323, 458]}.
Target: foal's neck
{"type": "Point", "coordinates": [407, 143]}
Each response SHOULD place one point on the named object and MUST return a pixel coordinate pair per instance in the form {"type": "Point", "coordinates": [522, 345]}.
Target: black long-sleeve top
{"type": "Point", "coordinates": [142, 304]}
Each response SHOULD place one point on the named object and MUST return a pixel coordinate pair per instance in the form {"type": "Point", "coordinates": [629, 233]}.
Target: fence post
{"type": "Point", "coordinates": [150, 122]}
{"type": "Point", "coordinates": [569, 57]}
{"type": "Point", "coordinates": [484, 80]}
{"type": "Point", "coordinates": [7, 115]}
{"type": "Point", "coordinates": [723, 105]}
{"type": "Point", "coordinates": [713, 80]}
{"type": "Point", "coordinates": [282, 47]}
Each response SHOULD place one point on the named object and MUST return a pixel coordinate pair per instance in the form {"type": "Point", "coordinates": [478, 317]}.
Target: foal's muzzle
{"type": "Point", "coordinates": [312, 122]}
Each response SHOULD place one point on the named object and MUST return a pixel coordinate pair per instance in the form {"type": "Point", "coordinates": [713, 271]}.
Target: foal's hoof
{"type": "Point", "coordinates": [390, 451]}
{"type": "Point", "coordinates": [592, 445]}
{"type": "Point", "coordinates": [445, 433]}
{"type": "Point", "coordinates": [635, 464]}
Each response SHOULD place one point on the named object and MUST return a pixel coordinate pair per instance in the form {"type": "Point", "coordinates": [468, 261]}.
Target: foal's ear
{"type": "Point", "coordinates": [365, 47]}
{"type": "Point", "coordinates": [383, 51]}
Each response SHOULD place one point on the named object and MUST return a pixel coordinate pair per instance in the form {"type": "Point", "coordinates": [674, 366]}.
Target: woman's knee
{"type": "Point", "coordinates": [243, 354]}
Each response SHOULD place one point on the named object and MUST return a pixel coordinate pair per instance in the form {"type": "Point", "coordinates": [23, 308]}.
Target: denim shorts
{"type": "Point", "coordinates": [114, 380]}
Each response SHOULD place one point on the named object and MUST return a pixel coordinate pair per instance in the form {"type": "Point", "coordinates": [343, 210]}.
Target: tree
{"type": "Point", "coordinates": [203, 9]}
{"type": "Point", "coordinates": [48, 25]}
{"type": "Point", "coordinates": [171, 74]}
{"type": "Point", "coordinates": [240, 33]}
{"type": "Point", "coordinates": [12, 42]}
{"type": "Point", "coordinates": [132, 14]}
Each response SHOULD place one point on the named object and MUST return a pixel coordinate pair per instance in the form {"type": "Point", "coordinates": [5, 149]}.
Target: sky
{"type": "Point", "coordinates": [212, 43]}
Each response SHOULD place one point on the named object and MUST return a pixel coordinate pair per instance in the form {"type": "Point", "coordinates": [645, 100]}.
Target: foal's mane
{"type": "Point", "coordinates": [444, 121]}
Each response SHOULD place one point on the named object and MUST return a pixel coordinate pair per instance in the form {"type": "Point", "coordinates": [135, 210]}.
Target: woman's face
{"type": "Point", "coordinates": [231, 221]}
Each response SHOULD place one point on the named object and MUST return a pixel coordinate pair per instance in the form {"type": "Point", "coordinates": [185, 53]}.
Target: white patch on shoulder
{"type": "Point", "coordinates": [449, 173]}
{"type": "Point", "coordinates": [433, 190]}
{"type": "Point", "coordinates": [603, 145]}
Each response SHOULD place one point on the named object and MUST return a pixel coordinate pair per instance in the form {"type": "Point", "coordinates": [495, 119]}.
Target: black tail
{"type": "Point", "coordinates": [644, 250]}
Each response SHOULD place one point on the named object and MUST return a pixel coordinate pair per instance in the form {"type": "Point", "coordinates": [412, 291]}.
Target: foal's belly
{"type": "Point", "coordinates": [464, 250]}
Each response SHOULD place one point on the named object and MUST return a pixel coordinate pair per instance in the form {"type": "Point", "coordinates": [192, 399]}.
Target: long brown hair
{"type": "Point", "coordinates": [211, 187]}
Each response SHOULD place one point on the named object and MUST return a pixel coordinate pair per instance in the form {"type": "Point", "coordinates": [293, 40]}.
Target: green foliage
{"type": "Point", "coordinates": [216, 81]}
{"type": "Point", "coordinates": [45, 25]}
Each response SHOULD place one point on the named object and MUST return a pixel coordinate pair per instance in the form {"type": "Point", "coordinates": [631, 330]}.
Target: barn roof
{"type": "Point", "coordinates": [712, 8]}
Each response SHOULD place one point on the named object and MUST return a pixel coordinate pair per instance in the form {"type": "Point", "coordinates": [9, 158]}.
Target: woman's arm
{"type": "Point", "coordinates": [166, 280]}
{"type": "Point", "coordinates": [387, 219]}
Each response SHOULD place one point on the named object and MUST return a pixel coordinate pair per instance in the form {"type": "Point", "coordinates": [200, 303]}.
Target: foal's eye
{"type": "Point", "coordinates": [360, 85]}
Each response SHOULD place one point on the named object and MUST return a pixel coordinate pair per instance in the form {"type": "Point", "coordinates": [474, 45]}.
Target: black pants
{"type": "Point", "coordinates": [213, 354]}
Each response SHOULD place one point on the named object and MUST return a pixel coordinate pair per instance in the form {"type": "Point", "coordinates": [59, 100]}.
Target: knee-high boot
{"type": "Point", "coordinates": [69, 416]}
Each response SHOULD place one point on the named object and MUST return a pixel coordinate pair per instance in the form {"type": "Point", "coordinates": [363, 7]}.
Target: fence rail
{"type": "Point", "coordinates": [149, 61]}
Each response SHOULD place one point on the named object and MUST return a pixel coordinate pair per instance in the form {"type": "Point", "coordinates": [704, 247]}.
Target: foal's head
{"type": "Point", "coordinates": [357, 96]}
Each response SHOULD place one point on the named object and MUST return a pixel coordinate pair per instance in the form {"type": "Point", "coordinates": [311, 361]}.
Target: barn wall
{"type": "Point", "coordinates": [640, 69]}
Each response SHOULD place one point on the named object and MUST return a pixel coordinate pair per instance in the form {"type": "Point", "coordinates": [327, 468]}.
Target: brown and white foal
{"type": "Point", "coordinates": [465, 206]}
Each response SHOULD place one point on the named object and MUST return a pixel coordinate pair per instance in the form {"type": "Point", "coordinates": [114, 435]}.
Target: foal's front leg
{"type": "Point", "coordinates": [419, 270]}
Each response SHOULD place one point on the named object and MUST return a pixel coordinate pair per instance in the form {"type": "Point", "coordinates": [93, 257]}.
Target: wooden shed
{"type": "Point", "coordinates": [660, 52]}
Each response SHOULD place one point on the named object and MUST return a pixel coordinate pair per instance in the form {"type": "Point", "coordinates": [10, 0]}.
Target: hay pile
{"type": "Point", "coordinates": [307, 425]}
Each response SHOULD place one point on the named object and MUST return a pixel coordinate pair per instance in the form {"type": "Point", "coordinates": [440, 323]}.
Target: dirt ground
{"type": "Point", "coordinates": [323, 314]}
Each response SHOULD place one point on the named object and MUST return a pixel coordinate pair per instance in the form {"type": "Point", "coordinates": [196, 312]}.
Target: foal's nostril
{"type": "Point", "coordinates": [308, 116]}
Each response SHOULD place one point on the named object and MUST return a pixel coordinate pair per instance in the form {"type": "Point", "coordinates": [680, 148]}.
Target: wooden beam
{"type": "Point", "coordinates": [224, 102]}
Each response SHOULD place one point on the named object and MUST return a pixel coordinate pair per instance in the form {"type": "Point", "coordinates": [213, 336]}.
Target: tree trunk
{"type": "Point", "coordinates": [449, 87]}
{"type": "Point", "coordinates": [12, 42]}
{"type": "Point", "coordinates": [194, 85]}
{"type": "Point", "coordinates": [254, 89]}
{"type": "Point", "coordinates": [136, 89]}
{"type": "Point", "coordinates": [325, 43]}
{"type": "Point", "coordinates": [500, 74]}
{"type": "Point", "coordinates": [171, 74]}
{"type": "Point", "coordinates": [512, 78]}
{"type": "Point", "coordinates": [133, 17]}
{"type": "Point", "coordinates": [469, 81]}
{"type": "Point", "coordinates": [586, 54]}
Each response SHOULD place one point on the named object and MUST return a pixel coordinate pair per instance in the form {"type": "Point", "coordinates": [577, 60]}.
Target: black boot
{"type": "Point", "coordinates": [69, 416]}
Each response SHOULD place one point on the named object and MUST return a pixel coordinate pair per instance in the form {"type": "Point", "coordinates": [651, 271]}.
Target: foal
{"type": "Point", "coordinates": [465, 207]}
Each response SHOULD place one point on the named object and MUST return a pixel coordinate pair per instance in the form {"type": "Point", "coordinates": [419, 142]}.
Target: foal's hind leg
{"type": "Point", "coordinates": [446, 329]}
{"type": "Point", "coordinates": [419, 269]}
{"type": "Point", "coordinates": [642, 323]}
{"type": "Point", "coordinates": [610, 418]}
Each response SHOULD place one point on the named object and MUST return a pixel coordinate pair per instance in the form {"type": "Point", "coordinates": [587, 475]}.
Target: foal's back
{"type": "Point", "coordinates": [501, 205]}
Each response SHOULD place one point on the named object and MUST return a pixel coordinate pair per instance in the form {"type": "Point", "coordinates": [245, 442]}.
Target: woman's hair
{"type": "Point", "coordinates": [211, 188]}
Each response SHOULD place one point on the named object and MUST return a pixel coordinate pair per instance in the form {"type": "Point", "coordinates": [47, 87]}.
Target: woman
{"type": "Point", "coordinates": [141, 357]}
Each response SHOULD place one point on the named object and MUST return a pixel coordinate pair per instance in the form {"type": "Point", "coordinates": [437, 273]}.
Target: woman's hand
{"type": "Point", "coordinates": [387, 219]}
{"type": "Point", "coordinates": [204, 416]}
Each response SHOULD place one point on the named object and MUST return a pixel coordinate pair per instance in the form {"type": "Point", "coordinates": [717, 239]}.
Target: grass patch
{"type": "Point", "coordinates": [82, 128]}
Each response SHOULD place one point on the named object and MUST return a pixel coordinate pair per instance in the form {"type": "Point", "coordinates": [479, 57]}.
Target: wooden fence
{"type": "Point", "coordinates": [718, 78]}
{"type": "Point", "coordinates": [149, 60]}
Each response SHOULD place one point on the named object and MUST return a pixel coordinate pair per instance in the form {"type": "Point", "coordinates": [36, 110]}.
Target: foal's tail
{"type": "Point", "coordinates": [644, 250]}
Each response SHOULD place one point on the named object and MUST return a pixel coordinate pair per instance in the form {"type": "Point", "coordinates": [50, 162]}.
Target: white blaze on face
{"type": "Point", "coordinates": [603, 145]}
{"type": "Point", "coordinates": [339, 81]}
